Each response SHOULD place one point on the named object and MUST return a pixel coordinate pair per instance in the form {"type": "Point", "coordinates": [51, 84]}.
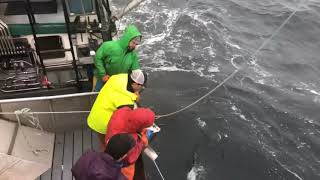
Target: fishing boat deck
{"type": "Point", "coordinates": [69, 146]}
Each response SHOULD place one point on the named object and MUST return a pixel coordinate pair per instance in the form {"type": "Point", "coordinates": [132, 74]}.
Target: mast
{"type": "Point", "coordinates": [130, 6]}
{"type": "Point", "coordinates": [105, 18]}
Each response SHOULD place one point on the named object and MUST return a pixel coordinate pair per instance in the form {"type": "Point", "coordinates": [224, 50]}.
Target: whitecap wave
{"type": "Point", "coordinates": [238, 112]}
{"type": "Point", "coordinates": [316, 99]}
{"type": "Point", "coordinates": [232, 60]}
{"type": "Point", "coordinates": [259, 70]}
{"type": "Point", "coordinates": [314, 92]}
{"type": "Point", "coordinates": [227, 40]}
{"type": "Point", "coordinates": [196, 173]}
{"type": "Point", "coordinates": [213, 69]}
{"type": "Point", "coordinates": [201, 123]}
{"type": "Point", "coordinates": [166, 68]}
{"type": "Point", "coordinates": [308, 88]}
{"type": "Point", "coordinates": [288, 169]}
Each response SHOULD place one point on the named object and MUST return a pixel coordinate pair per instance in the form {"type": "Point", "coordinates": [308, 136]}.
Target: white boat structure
{"type": "Point", "coordinates": [46, 56]}
{"type": "Point", "coordinates": [49, 141]}
{"type": "Point", "coordinates": [18, 161]}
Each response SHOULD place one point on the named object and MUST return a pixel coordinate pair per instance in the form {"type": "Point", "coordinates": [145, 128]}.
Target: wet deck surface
{"type": "Point", "coordinates": [69, 146]}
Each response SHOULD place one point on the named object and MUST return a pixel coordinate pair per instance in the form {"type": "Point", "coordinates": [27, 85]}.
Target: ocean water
{"type": "Point", "coordinates": [262, 124]}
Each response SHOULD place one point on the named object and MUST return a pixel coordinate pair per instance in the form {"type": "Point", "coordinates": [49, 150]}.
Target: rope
{"type": "Point", "coordinates": [158, 169]}
{"type": "Point", "coordinates": [232, 74]}
{"type": "Point", "coordinates": [44, 112]}
{"type": "Point", "coordinates": [25, 113]}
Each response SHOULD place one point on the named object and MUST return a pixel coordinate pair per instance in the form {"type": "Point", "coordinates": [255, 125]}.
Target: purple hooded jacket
{"type": "Point", "coordinates": [94, 165]}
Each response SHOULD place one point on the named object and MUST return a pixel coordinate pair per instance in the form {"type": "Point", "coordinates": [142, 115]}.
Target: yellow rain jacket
{"type": "Point", "coordinates": [113, 95]}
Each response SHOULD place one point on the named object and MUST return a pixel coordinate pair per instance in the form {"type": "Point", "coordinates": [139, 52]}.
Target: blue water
{"type": "Point", "coordinates": [263, 123]}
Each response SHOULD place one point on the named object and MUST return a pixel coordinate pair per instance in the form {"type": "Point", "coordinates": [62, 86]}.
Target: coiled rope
{"type": "Point", "coordinates": [27, 115]}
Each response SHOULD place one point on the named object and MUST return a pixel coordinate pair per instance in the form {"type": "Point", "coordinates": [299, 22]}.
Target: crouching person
{"type": "Point", "coordinates": [105, 165]}
{"type": "Point", "coordinates": [120, 90]}
{"type": "Point", "coordinates": [134, 122]}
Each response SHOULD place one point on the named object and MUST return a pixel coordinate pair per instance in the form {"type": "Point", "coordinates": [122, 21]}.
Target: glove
{"type": "Point", "coordinates": [105, 78]}
{"type": "Point", "coordinates": [138, 96]}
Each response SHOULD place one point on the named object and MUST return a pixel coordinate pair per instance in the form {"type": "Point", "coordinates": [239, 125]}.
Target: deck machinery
{"type": "Point", "coordinates": [45, 45]}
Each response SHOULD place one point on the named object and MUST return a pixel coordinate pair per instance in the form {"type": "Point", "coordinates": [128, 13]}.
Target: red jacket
{"type": "Point", "coordinates": [126, 120]}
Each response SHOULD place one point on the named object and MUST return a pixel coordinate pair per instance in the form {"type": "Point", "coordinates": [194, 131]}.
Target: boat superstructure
{"type": "Point", "coordinates": [46, 68]}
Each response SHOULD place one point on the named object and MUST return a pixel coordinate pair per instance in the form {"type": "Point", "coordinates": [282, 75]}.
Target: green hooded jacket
{"type": "Point", "coordinates": [113, 57]}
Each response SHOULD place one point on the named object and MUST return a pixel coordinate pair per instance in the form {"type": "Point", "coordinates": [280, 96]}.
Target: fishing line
{"type": "Point", "coordinates": [158, 169]}
{"type": "Point", "coordinates": [235, 72]}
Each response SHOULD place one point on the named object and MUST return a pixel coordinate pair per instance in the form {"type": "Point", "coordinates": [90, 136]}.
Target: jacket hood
{"type": "Point", "coordinates": [97, 166]}
{"type": "Point", "coordinates": [119, 83]}
{"type": "Point", "coordinates": [130, 33]}
{"type": "Point", "coordinates": [105, 170]}
{"type": "Point", "coordinates": [140, 118]}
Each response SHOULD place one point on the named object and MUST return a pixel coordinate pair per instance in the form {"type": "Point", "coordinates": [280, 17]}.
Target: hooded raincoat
{"type": "Point", "coordinates": [113, 95]}
{"type": "Point", "coordinates": [97, 166]}
{"type": "Point", "coordinates": [113, 57]}
{"type": "Point", "coordinates": [126, 120]}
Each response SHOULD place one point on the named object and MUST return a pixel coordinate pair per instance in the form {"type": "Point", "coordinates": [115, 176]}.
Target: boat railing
{"type": "Point", "coordinates": [55, 113]}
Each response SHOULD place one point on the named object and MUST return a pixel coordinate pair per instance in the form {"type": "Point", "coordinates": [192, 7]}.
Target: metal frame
{"type": "Point", "coordinates": [32, 23]}
{"type": "Point", "coordinates": [81, 1]}
{"type": "Point", "coordinates": [105, 19]}
{"type": "Point", "coordinates": [18, 100]}
{"type": "Point", "coordinates": [74, 63]}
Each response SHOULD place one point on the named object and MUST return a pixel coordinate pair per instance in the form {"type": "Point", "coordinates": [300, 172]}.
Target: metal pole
{"type": "Point", "coordinates": [3, 42]}
{"type": "Point", "coordinates": [5, 38]}
{"type": "Point", "coordinates": [105, 22]}
{"type": "Point", "coordinates": [130, 6]}
{"type": "Point", "coordinates": [53, 117]}
{"type": "Point", "coordinates": [41, 98]}
{"type": "Point", "coordinates": [10, 41]}
{"type": "Point", "coordinates": [74, 63]}
{"type": "Point", "coordinates": [107, 6]}
{"type": "Point", "coordinates": [31, 11]}
{"type": "Point", "coordinates": [32, 22]}
{"type": "Point", "coordinates": [97, 10]}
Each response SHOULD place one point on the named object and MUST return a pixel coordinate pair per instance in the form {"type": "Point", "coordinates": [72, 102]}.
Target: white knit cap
{"type": "Point", "coordinates": [137, 76]}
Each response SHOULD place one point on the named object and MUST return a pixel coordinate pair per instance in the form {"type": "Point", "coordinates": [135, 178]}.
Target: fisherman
{"type": "Point", "coordinates": [115, 57]}
{"type": "Point", "coordinates": [120, 90]}
{"type": "Point", "coordinates": [105, 165]}
{"type": "Point", "coordinates": [135, 122]}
